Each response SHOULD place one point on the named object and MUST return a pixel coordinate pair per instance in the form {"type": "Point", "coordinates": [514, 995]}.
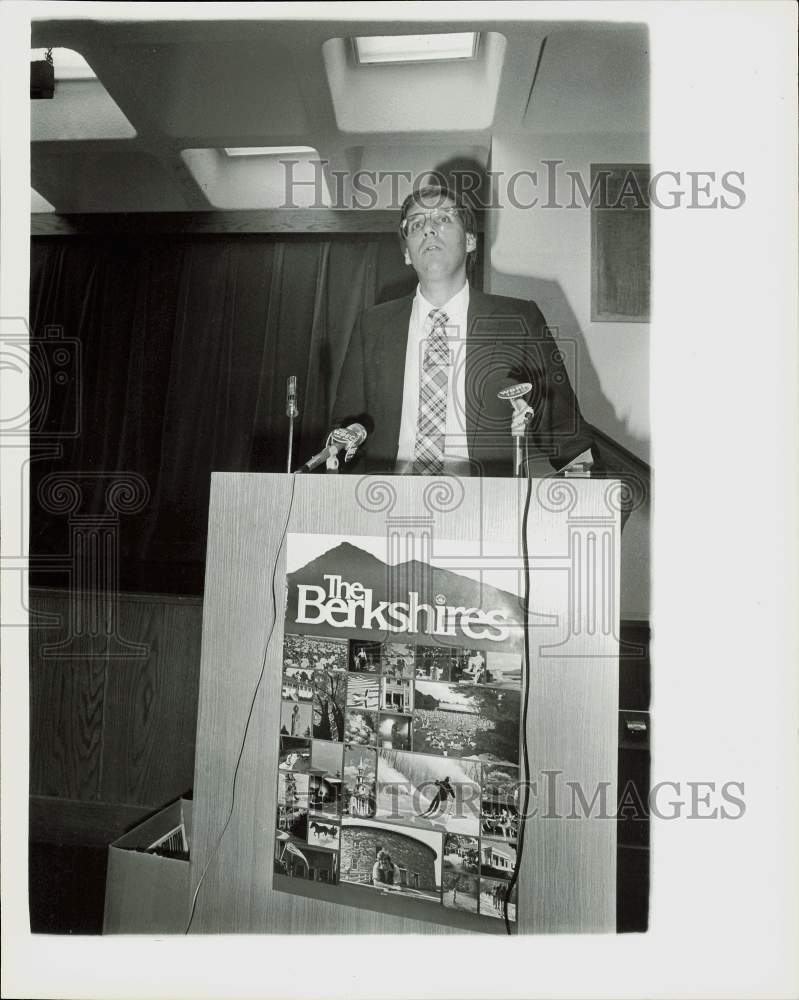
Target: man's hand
{"type": "Point", "coordinates": [519, 420]}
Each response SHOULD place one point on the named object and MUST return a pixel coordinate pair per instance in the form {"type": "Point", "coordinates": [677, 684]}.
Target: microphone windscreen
{"type": "Point", "coordinates": [351, 436]}
{"type": "Point", "coordinates": [515, 391]}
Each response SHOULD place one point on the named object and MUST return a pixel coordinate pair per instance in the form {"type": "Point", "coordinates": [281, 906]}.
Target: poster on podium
{"type": "Point", "coordinates": [400, 724]}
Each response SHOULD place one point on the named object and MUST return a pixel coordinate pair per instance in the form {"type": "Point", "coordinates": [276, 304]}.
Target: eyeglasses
{"type": "Point", "coordinates": [414, 224]}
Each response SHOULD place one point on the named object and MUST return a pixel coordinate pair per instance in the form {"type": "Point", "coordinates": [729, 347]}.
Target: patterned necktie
{"type": "Point", "coordinates": [428, 454]}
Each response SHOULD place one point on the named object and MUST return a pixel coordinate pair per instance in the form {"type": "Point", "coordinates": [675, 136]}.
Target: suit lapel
{"type": "Point", "coordinates": [480, 342]}
{"type": "Point", "coordinates": [388, 377]}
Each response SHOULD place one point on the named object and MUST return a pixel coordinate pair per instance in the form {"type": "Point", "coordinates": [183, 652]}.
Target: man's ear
{"type": "Point", "coordinates": [471, 242]}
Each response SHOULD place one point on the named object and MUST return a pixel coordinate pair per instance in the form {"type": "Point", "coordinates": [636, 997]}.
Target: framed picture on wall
{"type": "Point", "coordinates": [620, 257]}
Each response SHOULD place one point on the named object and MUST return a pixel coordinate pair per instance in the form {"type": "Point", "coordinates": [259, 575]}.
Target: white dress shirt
{"type": "Point", "coordinates": [456, 452]}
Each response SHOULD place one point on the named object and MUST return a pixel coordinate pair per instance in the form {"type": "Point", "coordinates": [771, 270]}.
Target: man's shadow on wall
{"type": "Point", "coordinates": [553, 303]}
{"type": "Point", "coordinates": [468, 174]}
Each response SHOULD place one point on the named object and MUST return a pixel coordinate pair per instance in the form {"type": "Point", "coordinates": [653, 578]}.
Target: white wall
{"type": "Point", "coordinates": [544, 254]}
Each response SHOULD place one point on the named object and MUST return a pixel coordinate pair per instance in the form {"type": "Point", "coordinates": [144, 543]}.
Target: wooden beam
{"type": "Point", "coordinates": [274, 220]}
{"type": "Point", "coordinates": [279, 220]}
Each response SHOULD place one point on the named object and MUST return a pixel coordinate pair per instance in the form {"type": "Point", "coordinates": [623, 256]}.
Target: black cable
{"type": "Point", "coordinates": [525, 757]}
{"type": "Point", "coordinates": [249, 714]}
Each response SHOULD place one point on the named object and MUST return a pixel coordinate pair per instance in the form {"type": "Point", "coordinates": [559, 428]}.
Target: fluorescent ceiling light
{"type": "Point", "coordinates": [68, 64]}
{"type": "Point", "coordinates": [415, 48]}
{"type": "Point", "coordinates": [269, 150]}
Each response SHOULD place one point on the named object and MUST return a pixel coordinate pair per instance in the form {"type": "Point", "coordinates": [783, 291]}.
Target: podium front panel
{"type": "Point", "coordinates": [472, 531]}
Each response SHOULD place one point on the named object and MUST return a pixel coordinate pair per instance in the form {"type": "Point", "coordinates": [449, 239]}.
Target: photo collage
{"type": "Point", "coordinates": [398, 771]}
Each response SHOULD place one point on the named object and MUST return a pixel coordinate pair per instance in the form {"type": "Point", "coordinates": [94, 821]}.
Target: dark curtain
{"type": "Point", "coordinates": [182, 347]}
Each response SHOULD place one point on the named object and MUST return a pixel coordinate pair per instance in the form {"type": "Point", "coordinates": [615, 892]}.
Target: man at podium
{"type": "Point", "coordinates": [423, 373]}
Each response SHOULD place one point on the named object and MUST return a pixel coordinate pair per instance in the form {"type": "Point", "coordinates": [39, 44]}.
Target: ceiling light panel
{"type": "Point", "coordinates": [377, 49]}
{"type": "Point", "coordinates": [422, 96]}
{"type": "Point", "coordinates": [259, 179]}
{"type": "Point", "coordinates": [268, 150]}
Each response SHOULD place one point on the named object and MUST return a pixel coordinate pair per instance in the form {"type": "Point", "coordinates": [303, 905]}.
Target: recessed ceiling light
{"type": "Point", "coordinates": [268, 150]}
{"type": "Point", "coordinates": [415, 48]}
{"type": "Point", "coordinates": [68, 64]}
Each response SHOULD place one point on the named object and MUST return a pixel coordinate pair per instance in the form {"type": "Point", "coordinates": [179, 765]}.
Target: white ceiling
{"type": "Point", "coordinates": [138, 139]}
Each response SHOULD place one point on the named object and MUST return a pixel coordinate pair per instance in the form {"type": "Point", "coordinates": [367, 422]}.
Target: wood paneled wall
{"type": "Point", "coordinates": [111, 735]}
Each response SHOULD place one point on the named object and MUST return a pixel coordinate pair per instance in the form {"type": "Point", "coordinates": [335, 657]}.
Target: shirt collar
{"type": "Point", "coordinates": [459, 303]}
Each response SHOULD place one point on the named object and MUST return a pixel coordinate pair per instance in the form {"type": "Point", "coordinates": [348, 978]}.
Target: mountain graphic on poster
{"type": "Point", "coordinates": [433, 586]}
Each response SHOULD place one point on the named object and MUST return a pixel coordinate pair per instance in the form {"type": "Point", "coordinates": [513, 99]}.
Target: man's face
{"type": "Point", "coordinates": [436, 244]}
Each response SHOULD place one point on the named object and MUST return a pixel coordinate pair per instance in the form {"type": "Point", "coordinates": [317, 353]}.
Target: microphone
{"type": "Point", "coordinates": [291, 413]}
{"type": "Point", "coordinates": [515, 394]}
{"type": "Point", "coordinates": [349, 438]}
{"type": "Point", "coordinates": [291, 396]}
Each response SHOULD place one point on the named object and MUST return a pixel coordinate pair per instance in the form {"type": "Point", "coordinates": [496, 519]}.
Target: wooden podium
{"type": "Point", "coordinates": [567, 874]}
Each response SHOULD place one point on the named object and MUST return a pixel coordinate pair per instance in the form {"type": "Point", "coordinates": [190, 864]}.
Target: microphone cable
{"type": "Point", "coordinates": [218, 843]}
{"type": "Point", "coordinates": [525, 754]}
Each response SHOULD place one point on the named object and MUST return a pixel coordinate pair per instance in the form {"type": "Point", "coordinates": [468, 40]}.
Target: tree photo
{"type": "Point", "coordinates": [329, 697]}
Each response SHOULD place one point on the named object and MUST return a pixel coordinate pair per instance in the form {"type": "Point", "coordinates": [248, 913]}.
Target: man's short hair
{"type": "Point", "coordinates": [438, 193]}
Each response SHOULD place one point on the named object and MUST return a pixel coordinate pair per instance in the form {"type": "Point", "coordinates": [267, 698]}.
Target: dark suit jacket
{"type": "Point", "coordinates": [507, 342]}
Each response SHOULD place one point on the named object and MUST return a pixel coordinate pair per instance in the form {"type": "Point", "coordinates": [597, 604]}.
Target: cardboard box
{"type": "Point", "coordinates": [147, 893]}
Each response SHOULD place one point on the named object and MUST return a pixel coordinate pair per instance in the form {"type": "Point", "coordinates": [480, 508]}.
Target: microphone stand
{"type": "Point", "coordinates": [517, 456]}
{"type": "Point", "coordinates": [331, 465]}
{"type": "Point", "coordinates": [519, 435]}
